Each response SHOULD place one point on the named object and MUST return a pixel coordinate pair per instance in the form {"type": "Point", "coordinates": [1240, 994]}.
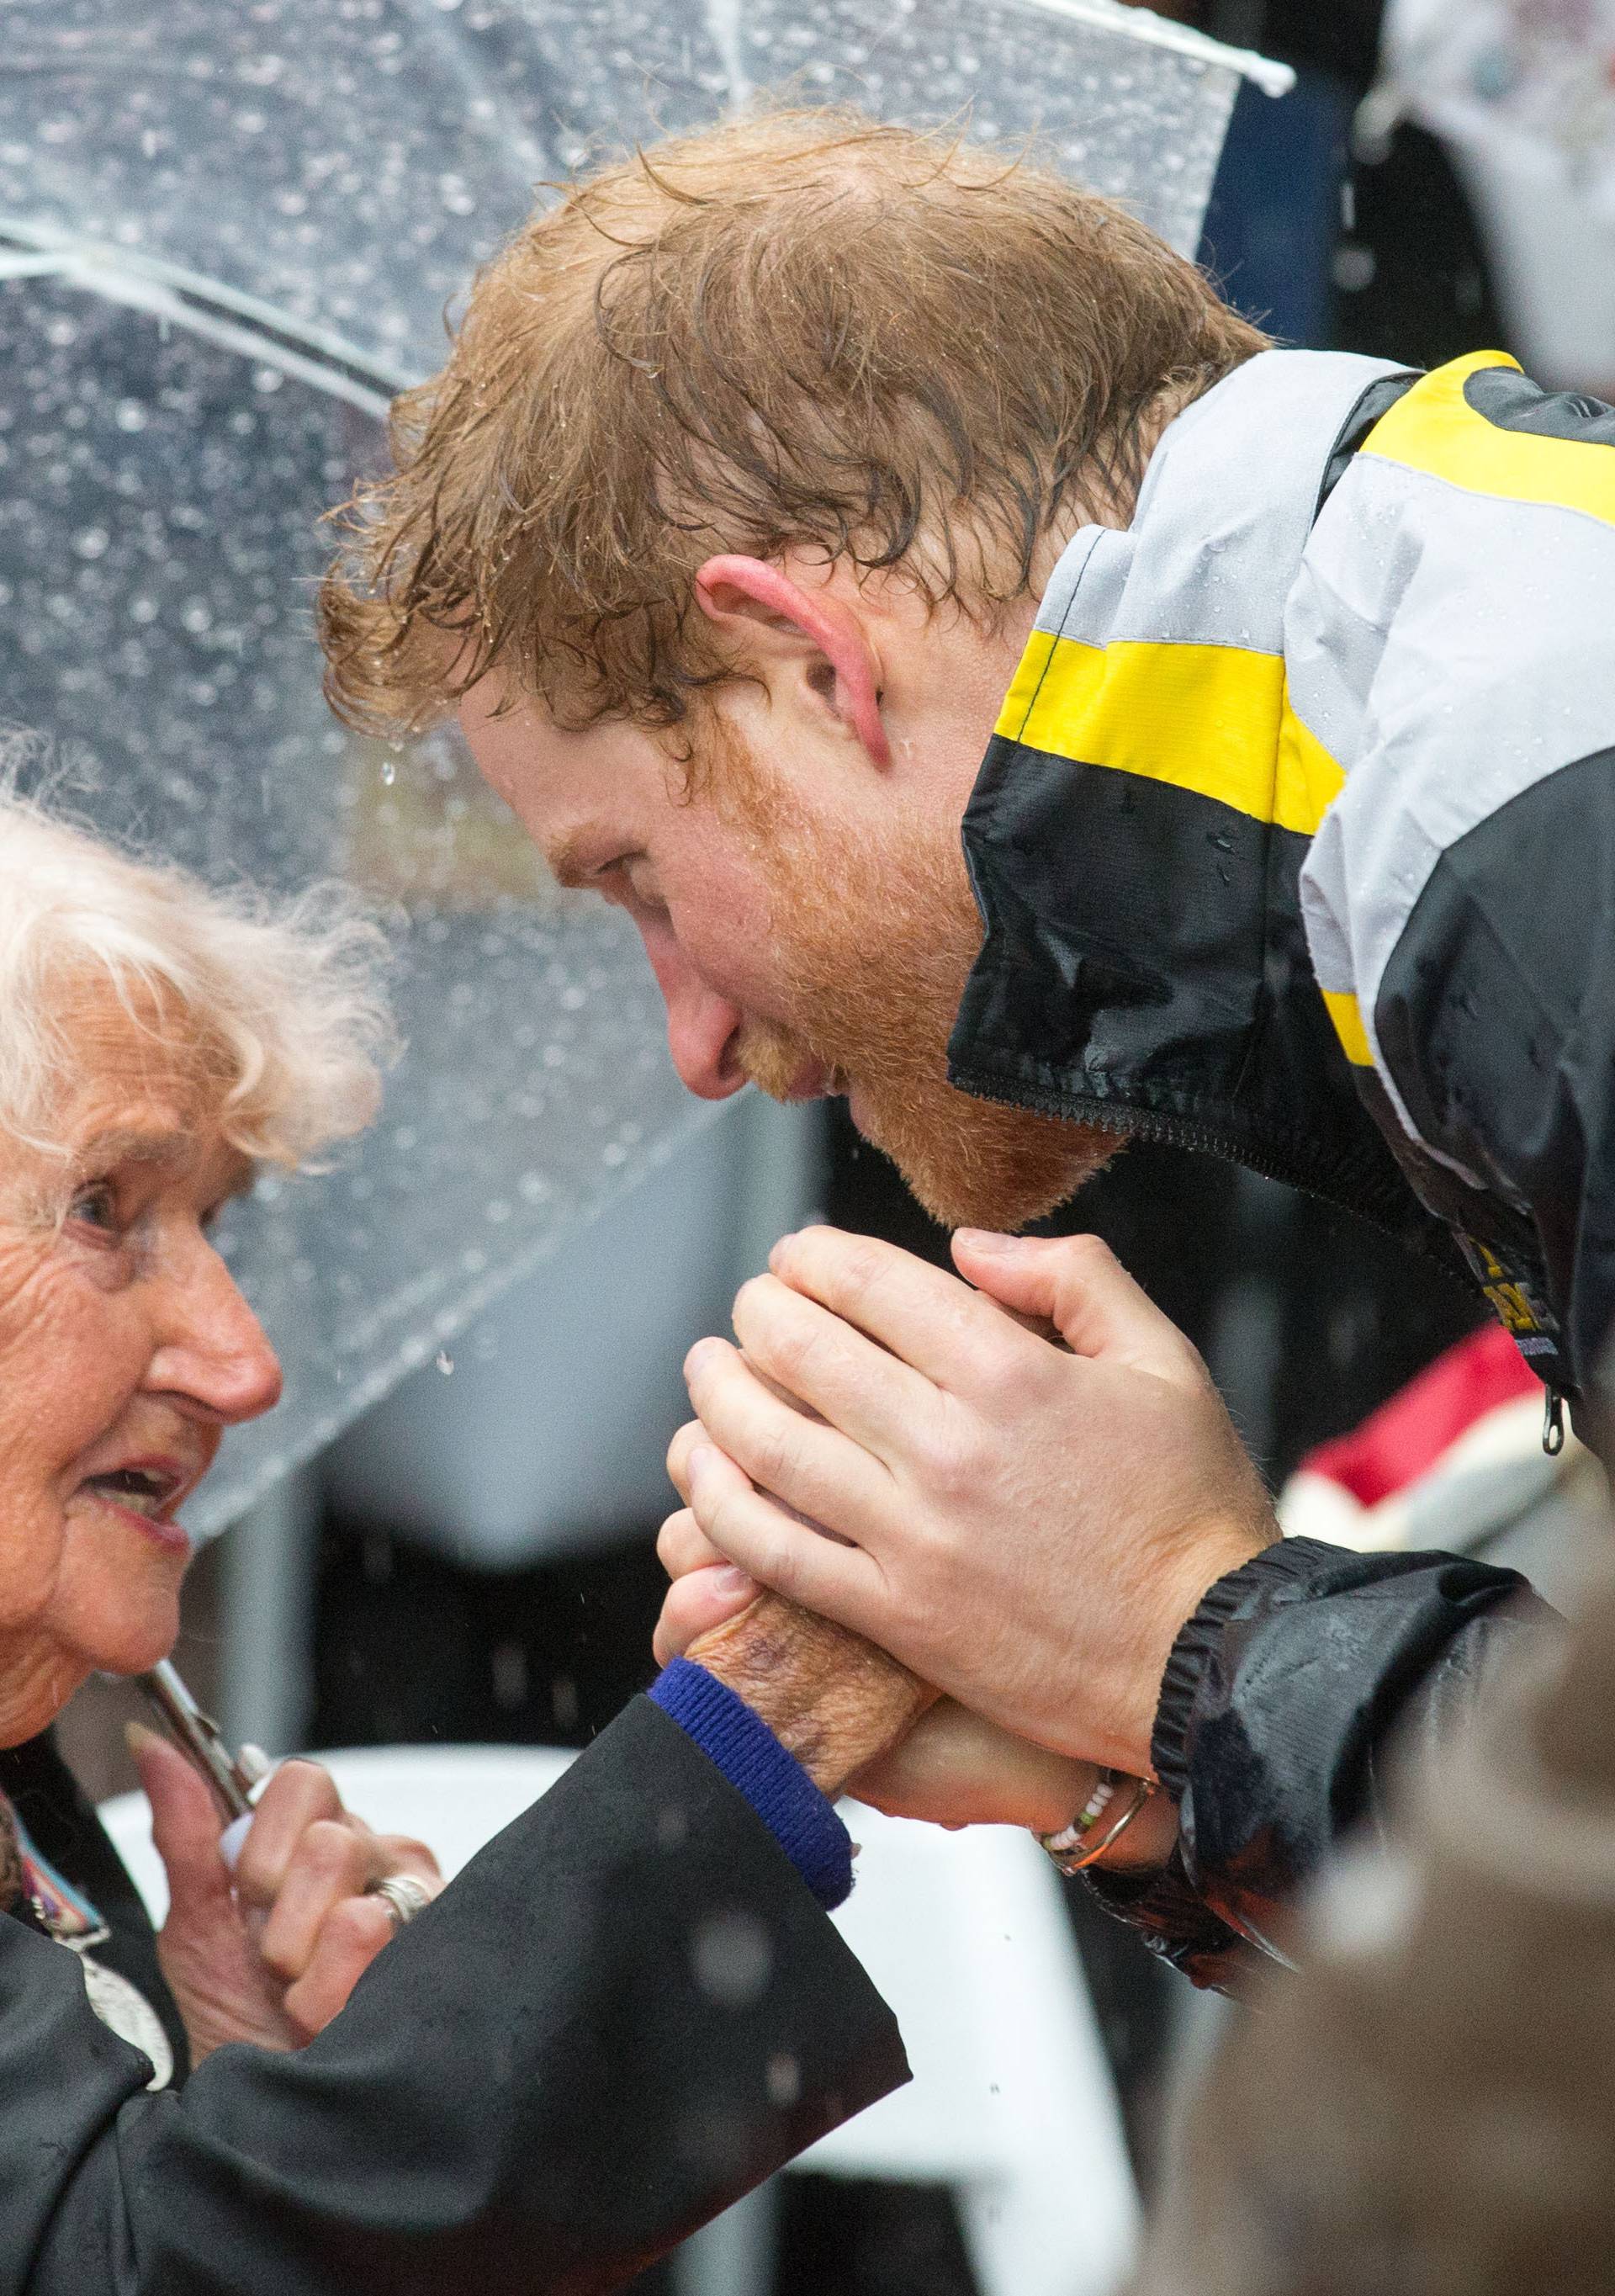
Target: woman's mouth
{"type": "Point", "coordinates": [146, 1495]}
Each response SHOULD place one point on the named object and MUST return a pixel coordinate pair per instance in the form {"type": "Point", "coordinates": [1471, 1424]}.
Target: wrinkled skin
{"type": "Point", "coordinates": [126, 1349]}
{"type": "Point", "coordinates": [123, 1340]}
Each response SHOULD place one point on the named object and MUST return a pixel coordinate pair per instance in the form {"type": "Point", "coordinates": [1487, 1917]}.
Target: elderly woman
{"type": "Point", "coordinates": [630, 2008]}
{"type": "Point", "coordinates": [155, 1043]}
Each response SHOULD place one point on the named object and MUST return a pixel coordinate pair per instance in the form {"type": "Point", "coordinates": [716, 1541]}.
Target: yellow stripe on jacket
{"type": "Point", "coordinates": [1215, 720]}
{"type": "Point", "coordinates": [1433, 428]}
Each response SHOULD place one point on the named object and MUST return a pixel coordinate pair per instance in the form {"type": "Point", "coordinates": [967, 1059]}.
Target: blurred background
{"type": "Point", "coordinates": [471, 1560]}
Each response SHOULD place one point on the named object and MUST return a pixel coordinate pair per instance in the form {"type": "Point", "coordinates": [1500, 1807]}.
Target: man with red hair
{"type": "Point", "coordinates": [1004, 691]}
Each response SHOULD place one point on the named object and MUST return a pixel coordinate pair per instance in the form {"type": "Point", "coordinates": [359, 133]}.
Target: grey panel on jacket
{"type": "Point", "coordinates": [1450, 649]}
{"type": "Point", "coordinates": [1210, 556]}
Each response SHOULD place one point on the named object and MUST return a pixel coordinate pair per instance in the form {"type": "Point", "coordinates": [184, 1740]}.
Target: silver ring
{"type": "Point", "coordinates": [404, 1896]}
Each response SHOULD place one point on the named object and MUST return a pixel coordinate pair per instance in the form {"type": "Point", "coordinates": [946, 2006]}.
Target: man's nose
{"type": "Point", "coordinates": [703, 1028]}
{"type": "Point", "coordinates": [216, 1351]}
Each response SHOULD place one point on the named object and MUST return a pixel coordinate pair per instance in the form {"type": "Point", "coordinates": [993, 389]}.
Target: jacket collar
{"type": "Point", "coordinates": [1136, 836]}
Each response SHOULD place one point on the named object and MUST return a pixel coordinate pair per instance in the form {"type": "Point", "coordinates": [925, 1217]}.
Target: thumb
{"type": "Point", "coordinates": [1077, 1283]}
{"type": "Point", "coordinates": [184, 1823]}
{"type": "Point", "coordinates": [696, 1603]}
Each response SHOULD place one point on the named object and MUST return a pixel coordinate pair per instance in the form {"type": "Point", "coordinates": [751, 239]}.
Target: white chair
{"type": "Point", "coordinates": [1012, 2105]}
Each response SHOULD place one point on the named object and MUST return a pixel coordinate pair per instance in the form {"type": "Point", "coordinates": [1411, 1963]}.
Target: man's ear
{"type": "Point", "coordinates": [765, 611]}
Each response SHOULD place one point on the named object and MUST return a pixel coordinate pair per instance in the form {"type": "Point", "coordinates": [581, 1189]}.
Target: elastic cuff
{"type": "Point", "coordinates": [1286, 1560]}
{"type": "Point", "coordinates": [740, 1743]}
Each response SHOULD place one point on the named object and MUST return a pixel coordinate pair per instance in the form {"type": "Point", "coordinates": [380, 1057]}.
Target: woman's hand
{"type": "Point", "coordinates": [271, 1954]}
{"type": "Point", "coordinates": [953, 1768]}
{"type": "Point", "coordinates": [1023, 1524]}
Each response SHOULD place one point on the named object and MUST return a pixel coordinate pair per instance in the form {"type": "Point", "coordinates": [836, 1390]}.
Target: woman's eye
{"type": "Point", "coordinates": [96, 1205]}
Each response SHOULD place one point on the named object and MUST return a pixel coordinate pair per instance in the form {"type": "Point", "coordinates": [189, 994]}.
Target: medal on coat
{"type": "Point", "coordinates": [67, 1917]}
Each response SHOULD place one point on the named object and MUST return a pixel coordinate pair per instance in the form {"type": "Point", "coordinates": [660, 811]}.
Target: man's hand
{"type": "Point", "coordinates": [272, 1954]}
{"type": "Point", "coordinates": [1025, 1525]}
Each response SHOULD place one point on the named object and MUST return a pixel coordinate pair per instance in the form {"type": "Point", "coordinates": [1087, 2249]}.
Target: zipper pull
{"type": "Point", "coordinates": [1552, 1422]}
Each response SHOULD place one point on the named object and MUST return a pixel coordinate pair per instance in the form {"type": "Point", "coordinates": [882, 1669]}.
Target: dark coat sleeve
{"type": "Point", "coordinates": [624, 2014]}
{"type": "Point", "coordinates": [1282, 1697]}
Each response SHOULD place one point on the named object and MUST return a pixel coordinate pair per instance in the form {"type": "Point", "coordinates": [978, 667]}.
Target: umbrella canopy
{"type": "Point", "coordinates": [227, 236]}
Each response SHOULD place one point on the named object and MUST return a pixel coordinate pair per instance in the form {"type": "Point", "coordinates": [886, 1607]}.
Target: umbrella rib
{"type": "Point", "coordinates": [68, 251]}
{"type": "Point", "coordinates": [1271, 76]}
{"type": "Point", "coordinates": [161, 303]}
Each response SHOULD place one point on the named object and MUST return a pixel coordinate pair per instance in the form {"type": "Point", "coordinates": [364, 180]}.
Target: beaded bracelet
{"type": "Point", "coordinates": [1073, 1847]}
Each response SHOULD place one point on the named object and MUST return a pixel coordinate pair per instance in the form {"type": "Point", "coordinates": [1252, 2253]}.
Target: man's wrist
{"type": "Point", "coordinates": [833, 1700]}
{"type": "Point", "coordinates": [1214, 1557]}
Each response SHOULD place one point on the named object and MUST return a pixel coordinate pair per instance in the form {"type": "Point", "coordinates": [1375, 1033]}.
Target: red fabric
{"type": "Point", "coordinates": [1404, 1439]}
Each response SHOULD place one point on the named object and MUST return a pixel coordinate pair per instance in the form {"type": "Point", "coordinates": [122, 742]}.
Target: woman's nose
{"type": "Point", "coordinates": [218, 1352]}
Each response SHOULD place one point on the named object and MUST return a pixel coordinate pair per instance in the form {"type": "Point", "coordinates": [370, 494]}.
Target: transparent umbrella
{"type": "Point", "coordinates": [227, 236]}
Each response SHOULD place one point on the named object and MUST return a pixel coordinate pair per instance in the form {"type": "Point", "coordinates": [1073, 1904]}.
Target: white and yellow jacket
{"type": "Point", "coordinates": [1296, 840]}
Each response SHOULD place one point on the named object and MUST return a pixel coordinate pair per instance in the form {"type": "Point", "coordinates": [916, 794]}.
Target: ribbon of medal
{"type": "Point", "coordinates": [68, 1916]}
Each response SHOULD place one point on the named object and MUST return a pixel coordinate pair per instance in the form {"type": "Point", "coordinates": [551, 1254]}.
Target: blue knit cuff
{"type": "Point", "coordinates": [742, 1746]}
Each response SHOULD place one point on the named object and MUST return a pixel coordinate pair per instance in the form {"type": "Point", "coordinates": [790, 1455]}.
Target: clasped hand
{"type": "Point", "coordinates": [1020, 1486]}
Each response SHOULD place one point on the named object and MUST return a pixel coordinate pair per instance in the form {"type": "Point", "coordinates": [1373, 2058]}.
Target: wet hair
{"type": "Point", "coordinates": [797, 330]}
{"type": "Point", "coordinates": [274, 1006]}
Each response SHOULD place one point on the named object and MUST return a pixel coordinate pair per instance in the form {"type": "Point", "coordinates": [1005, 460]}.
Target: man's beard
{"type": "Point", "coordinates": [873, 951]}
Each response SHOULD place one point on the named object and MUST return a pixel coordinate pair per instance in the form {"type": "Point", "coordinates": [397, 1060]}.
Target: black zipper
{"type": "Point", "coordinates": [1204, 1139]}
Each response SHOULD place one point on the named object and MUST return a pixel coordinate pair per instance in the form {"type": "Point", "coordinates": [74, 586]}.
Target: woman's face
{"type": "Point", "coordinates": [125, 1352]}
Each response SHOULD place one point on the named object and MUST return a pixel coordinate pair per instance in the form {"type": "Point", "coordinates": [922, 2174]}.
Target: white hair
{"type": "Point", "coordinates": [280, 999]}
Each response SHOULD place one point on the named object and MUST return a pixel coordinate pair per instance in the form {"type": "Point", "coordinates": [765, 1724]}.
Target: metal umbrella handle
{"type": "Point", "coordinates": [232, 1776]}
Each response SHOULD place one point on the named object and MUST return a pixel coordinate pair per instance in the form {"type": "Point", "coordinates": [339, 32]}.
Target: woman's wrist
{"type": "Point", "coordinates": [833, 1699]}
{"type": "Point", "coordinates": [1147, 1844]}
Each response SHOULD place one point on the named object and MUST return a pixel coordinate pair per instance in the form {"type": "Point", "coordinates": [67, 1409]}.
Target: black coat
{"type": "Point", "coordinates": [627, 2011]}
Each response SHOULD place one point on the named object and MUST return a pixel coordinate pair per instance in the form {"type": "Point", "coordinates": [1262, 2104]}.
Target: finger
{"type": "Point", "coordinates": [349, 1941]}
{"type": "Point", "coordinates": [841, 1582]}
{"type": "Point", "coordinates": [955, 1769]}
{"type": "Point", "coordinates": [678, 1452]}
{"type": "Point", "coordinates": [924, 1316]}
{"type": "Point", "coordinates": [401, 1853]}
{"type": "Point", "coordinates": [300, 1794]}
{"type": "Point", "coordinates": [696, 1603]}
{"type": "Point", "coordinates": [809, 1352]}
{"type": "Point", "coordinates": [185, 1827]}
{"type": "Point", "coordinates": [331, 1862]}
{"type": "Point", "coordinates": [810, 1465]}
{"type": "Point", "coordinates": [682, 1546]}
{"type": "Point", "coordinates": [1080, 1286]}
